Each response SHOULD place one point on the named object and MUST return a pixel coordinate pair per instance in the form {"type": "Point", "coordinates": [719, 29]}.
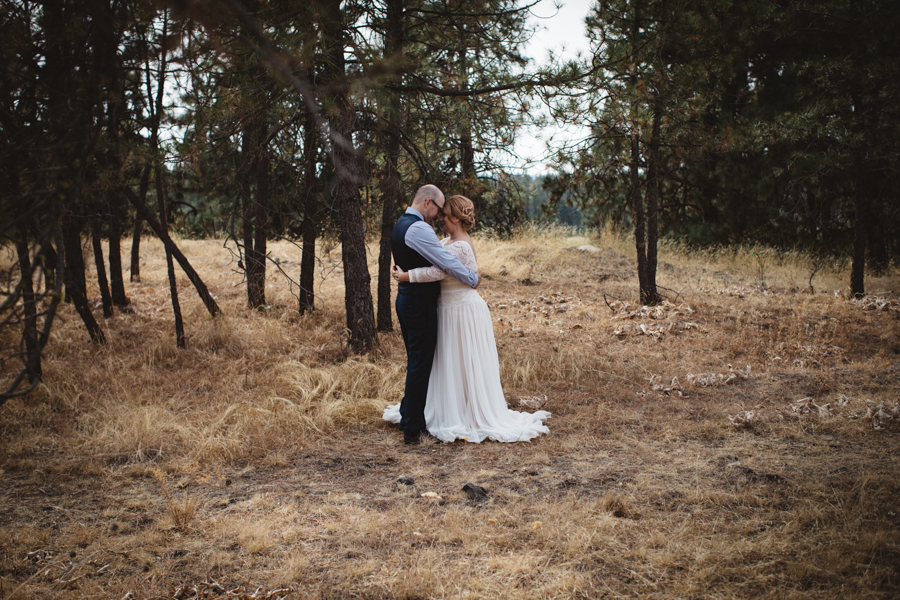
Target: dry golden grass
{"type": "Point", "coordinates": [257, 458]}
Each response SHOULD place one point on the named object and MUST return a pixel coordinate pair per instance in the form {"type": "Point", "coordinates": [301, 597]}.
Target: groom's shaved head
{"type": "Point", "coordinates": [429, 210]}
{"type": "Point", "coordinates": [429, 191]}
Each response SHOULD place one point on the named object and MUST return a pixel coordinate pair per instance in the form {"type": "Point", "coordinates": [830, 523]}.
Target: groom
{"type": "Point", "coordinates": [414, 244]}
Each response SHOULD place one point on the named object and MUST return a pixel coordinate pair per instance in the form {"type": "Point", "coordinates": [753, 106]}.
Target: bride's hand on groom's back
{"type": "Point", "coordinates": [399, 274]}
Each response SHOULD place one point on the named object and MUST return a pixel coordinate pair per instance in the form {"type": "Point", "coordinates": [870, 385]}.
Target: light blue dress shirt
{"type": "Point", "coordinates": [421, 237]}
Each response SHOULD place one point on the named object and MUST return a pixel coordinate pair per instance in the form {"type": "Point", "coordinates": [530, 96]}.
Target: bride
{"type": "Point", "coordinates": [465, 399]}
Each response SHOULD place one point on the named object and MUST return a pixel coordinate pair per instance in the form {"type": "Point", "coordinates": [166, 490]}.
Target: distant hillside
{"type": "Point", "coordinates": [536, 197]}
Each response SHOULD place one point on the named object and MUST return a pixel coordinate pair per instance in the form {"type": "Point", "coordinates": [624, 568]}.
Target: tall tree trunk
{"type": "Point", "coordinates": [69, 109]}
{"type": "Point", "coordinates": [116, 279]}
{"type": "Point", "coordinates": [653, 203]}
{"type": "Point", "coordinates": [637, 203]}
{"type": "Point", "coordinates": [390, 184]}
{"type": "Point", "coordinates": [637, 209]}
{"type": "Point", "coordinates": [75, 269]}
{"type": "Point", "coordinates": [357, 281]}
{"type": "Point", "coordinates": [861, 225]}
{"type": "Point", "coordinates": [155, 117]}
{"type": "Point", "coordinates": [858, 267]}
{"type": "Point", "coordinates": [262, 207]}
{"type": "Point", "coordinates": [102, 281]}
{"type": "Point", "coordinates": [139, 227]}
{"type": "Point", "coordinates": [29, 331]}
{"type": "Point", "coordinates": [248, 148]}
{"type": "Point", "coordinates": [75, 280]}
{"type": "Point", "coordinates": [310, 229]}
{"type": "Point", "coordinates": [170, 265]}
{"type": "Point", "coordinates": [160, 190]}
{"type": "Point", "coordinates": [114, 198]}
{"type": "Point", "coordinates": [114, 202]}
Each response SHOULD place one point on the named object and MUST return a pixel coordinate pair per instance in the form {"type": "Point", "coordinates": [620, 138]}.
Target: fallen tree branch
{"type": "Point", "coordinates": [145, 214]}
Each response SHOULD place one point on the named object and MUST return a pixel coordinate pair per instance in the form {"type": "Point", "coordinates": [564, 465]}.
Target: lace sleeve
{"type": "Point", "coordinates": [425, 274]}
{"type": "Point", "coordinates": [462, 251]}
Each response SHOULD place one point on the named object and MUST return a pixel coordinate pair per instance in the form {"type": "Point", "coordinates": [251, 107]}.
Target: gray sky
{"type": "Point", "coordinates": [563, 34]}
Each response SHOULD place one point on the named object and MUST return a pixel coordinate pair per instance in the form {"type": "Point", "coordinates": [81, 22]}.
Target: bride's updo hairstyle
{"type": "Point", "coordinates": [463, 209]}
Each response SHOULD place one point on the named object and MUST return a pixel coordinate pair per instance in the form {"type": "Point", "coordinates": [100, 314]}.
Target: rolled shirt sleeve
{"type": "Point", "coordinates": [421, 238]}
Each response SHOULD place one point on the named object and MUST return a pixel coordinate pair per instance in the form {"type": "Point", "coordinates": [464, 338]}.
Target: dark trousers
{"type": "Point", "coordinates": [417, 314]}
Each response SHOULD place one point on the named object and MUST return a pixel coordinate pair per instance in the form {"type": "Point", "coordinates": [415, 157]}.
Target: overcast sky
{"type": "Point", "coordinates": [562, 32]}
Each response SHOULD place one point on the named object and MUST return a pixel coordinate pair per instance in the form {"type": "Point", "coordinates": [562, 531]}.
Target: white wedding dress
{"type": "Point", "coordinates": [465, 399]}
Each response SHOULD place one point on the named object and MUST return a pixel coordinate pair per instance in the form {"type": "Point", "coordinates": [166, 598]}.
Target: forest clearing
{"type": "Point", "coordinates": [725, 415]}
{"type": "Point", "coordinates": [738, 440]}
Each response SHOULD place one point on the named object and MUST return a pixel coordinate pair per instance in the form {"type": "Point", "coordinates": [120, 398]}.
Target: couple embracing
{"type": "Point", "coordinates": [453, 386]}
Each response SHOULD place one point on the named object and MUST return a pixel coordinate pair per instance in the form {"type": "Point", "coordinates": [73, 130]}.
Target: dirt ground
{"type": "Point", "coordinates": [738, 441]}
